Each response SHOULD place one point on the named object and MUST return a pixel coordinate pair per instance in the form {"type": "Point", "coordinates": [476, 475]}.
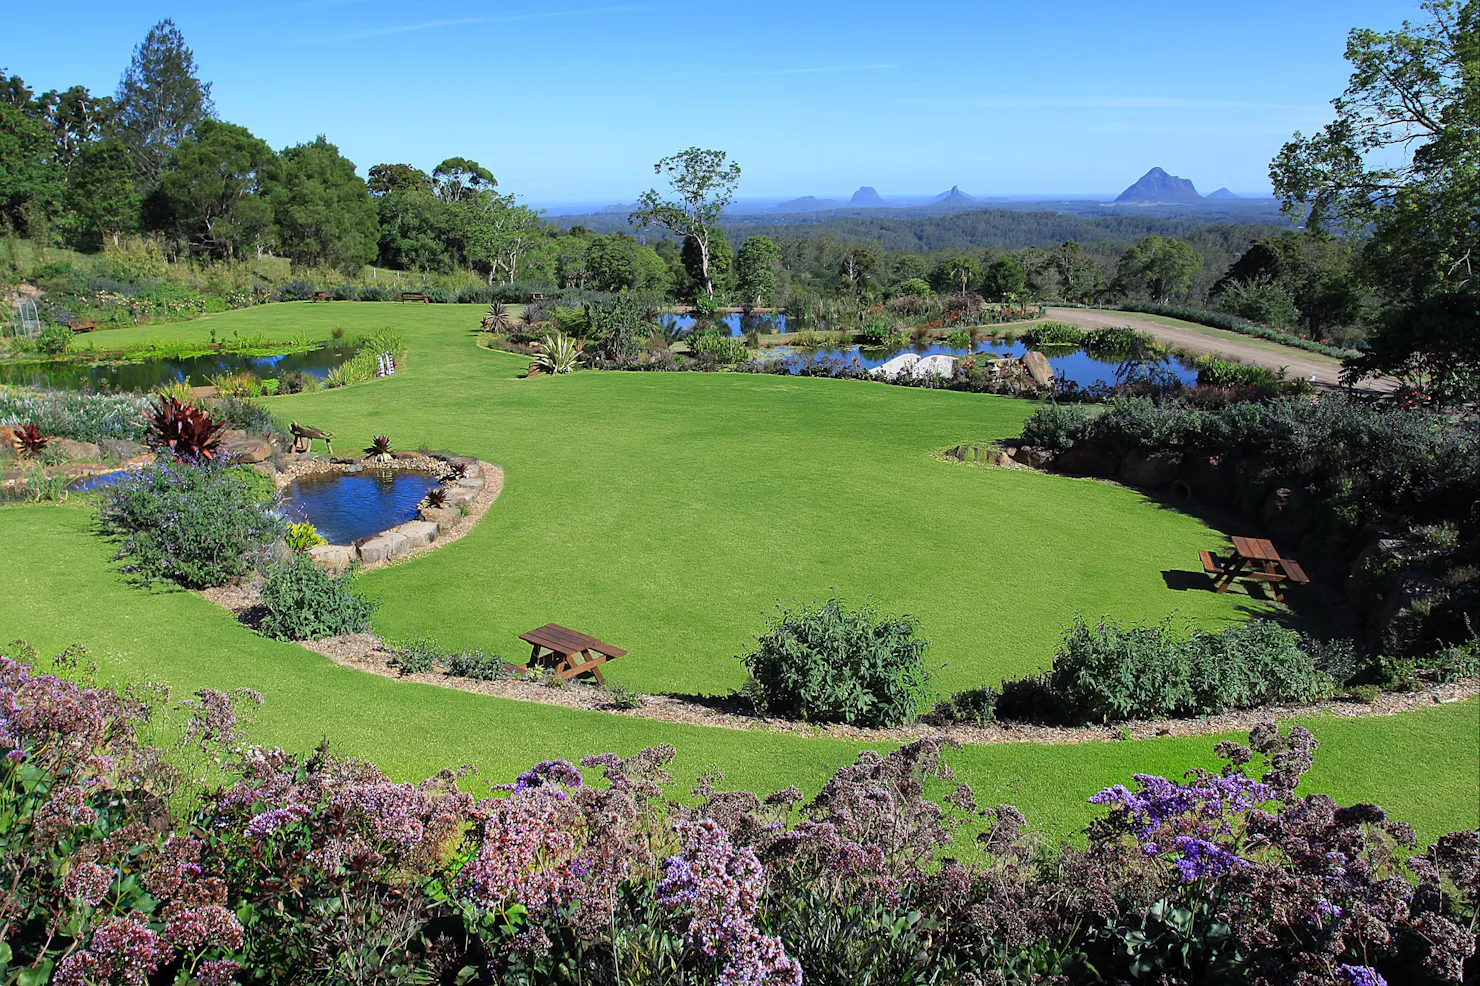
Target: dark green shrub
{"type": "Point", "coordinates": [825, 662]}
{"type": "Point", "coordinates": [196, 524]}
{"type": "Point", "coordinates": [1227, 373]}
{"type": "Point", "coordinates": [417, 655]}
{"type": "Point", "coordinates": [1457, 663]}
{"type": "Point", "coordinates": [1121, 344]}
{"type": "Point", "coordinates": [1110, 672]}
{"type": "Point", "coordinates": [976, 707]}
{"type": "Point", "coordinates": [373, 293]}
{"type": "Point", "coordinates": [1054, 334]}
{"type": "Point", "coordinates": [1056, 426]}
{"type": "Point", "coordinates": [343, 292]}
{"type": "Point", "coordinates": [1029, 699]}
{"type": "Point", "coordinates": [303, 602]}
{"type": "Point", "coordinates": [297, 291]}
{"type": "Point", "coordinates": [53, 340]}
{"type": "Point", "coordinates": [438, 296]}
{"type": "Point", "coordinates": [478, 294]}
{"type": "Point", "coordinates": [476, 665]}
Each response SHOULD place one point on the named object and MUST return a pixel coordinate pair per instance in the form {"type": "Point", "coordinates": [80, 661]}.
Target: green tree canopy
{"type": "Point", "coordinates": [209, 193]}
{"type": "Point", "coordinates": [458, 179]}
{"type": "Point", "coordinates": [31, 182]}
{"type": "Point", "coordinates": [101, 193]}
{"type": "Point", "coordinates": [1003, 278]}
{"type": "Point", "coordinates": [1402, 159]}
{"type": "Point", "coordinates": [322, 209]}
{"type": "Point", "coordinates": [709, 267]}
{"type": "Point", "coordinates": [955, 273]}
{"type": "Point", "coordinates": [386, 178]}
{"type": "Point", "coordinates": [160, 100]}
{"type": "Point", "coordinates": [703, 184]}
{"type": "Point", "coordinates": [611, 262]}
{"type": "Point", "coordinates": [755, 269]}
{"type": "Point", "coordinates": [1156, 268]}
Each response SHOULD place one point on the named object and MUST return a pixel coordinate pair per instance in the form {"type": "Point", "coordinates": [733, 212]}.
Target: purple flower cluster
{"type": "Point", "coordinates": [547, 773]}
{"type": "Point", "coordinates": [87, 882]}
{"type": "Point", "coordinates": [714, 889]}
{"type": "Point", "coordinates": [268, 822]}
{"type": "Point", "coordinates": [1361, 975]}
{"type": "Point", "coordinates": [194, 929]}
{"type": "Point", "coordinates": [122, 950]}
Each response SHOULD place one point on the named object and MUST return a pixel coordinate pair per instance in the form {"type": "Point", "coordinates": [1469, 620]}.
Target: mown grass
{"type": "Point", "coordinates": [664, 512]}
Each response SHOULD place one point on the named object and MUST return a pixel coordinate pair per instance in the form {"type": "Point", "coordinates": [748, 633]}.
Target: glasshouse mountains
{"type": "Point", "coordinates": [400, 584]}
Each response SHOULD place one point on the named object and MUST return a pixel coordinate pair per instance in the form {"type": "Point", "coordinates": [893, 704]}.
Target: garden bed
{"type": "Point", "coordinates": [366, 652]}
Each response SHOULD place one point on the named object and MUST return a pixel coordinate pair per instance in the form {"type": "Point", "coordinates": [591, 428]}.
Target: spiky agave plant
{"type": "Point", "coordinates": [558, 354]}
{"type": "Point", "coordinates": [380, 448]}
{"type": "Point", "coordinates": [183, 430]}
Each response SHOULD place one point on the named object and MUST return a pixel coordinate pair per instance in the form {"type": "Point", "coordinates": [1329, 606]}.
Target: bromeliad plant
{"type": "Point", "coordinates": [379, 448]}
{"type": "Point", "coordinates": [30, 440]}
{"type": "Point", "coordinates": [183, 430]}
{"type": "Point", "coordinates": [437, 497]}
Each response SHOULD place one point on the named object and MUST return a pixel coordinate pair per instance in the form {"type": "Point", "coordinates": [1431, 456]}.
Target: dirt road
{"type": "Point", "coordinates": [1324, 370]}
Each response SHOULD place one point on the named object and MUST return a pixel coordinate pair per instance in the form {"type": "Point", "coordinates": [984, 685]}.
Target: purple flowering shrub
{"type": "Point", "coordinates": [289, 868]}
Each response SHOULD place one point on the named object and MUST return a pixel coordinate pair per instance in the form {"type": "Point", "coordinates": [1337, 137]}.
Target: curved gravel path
{"type": "Point", "coordinates": [1325, 371]}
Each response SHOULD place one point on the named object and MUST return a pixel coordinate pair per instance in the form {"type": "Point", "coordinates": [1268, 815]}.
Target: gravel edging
{"type": "Point", "coordinates": [366, 652]}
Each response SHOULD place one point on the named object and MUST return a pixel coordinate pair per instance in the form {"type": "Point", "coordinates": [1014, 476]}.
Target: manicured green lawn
{"type": "Point", "coordinates": [665, 512]}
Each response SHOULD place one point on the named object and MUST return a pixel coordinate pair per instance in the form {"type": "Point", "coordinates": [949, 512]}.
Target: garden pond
{"type": "Point", "coordinates": [148, 374]}
{"type": "Point", "coordinates": [1070, 365]}
{"type": "Point", "coordinates": [346, 507]}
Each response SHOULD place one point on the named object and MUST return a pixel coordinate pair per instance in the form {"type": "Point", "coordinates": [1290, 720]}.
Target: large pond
{"type": "Point", "coordinates": [738, 324]}
{"type": "Point", "coordinates": [197, 371]}
{"type": "Point", "coordinates": [345, 507]}
{"type": "Point", "coordinates": [1070, 365]}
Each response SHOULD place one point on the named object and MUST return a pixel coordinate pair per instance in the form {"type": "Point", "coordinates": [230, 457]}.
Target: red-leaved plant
{"type": "Point", "coordinates": [184, 430]}
{"type": "Point", "coordinates": [30, 440]}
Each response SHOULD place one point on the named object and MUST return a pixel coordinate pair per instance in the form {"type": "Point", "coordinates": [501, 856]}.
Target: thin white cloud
{"type": "Point", "coordinates": [1096, 102]}
{"type": "Point", "coordinates": [519, 18]}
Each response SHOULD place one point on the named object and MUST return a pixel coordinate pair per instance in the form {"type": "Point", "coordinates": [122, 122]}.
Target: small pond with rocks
{"type": "Point", "coordinates": [345, 507]}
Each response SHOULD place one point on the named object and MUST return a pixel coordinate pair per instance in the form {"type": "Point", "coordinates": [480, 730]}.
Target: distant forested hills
{"type": "Point", "coordinates": [1007, 229]}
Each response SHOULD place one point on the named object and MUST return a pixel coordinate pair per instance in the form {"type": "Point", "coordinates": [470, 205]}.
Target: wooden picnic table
{"type": "Point", "coordinates": [322, 296]}
{"type": "Point", "coordinates": [1256, 559]}
{"type": "Point", "coordinates": [570, 652]}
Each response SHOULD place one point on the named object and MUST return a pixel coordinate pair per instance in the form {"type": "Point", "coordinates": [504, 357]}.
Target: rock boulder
{"type": "Point", "coordinates": [1038, 368]}
{"type": "Point", "coordinates": [1150, 469]}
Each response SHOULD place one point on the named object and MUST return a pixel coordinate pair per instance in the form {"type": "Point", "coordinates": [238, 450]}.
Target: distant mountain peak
{"type": "Point", "coordinates": [807, 203]}
{"type": "Point", "coordinates": [1158, 186]}
{"type": "Point", "coordinates": [1223, 193]}
{"type": "Point", "coordinates": [954, 197]}
{"type": "Point", "coordinates": [866, 198]}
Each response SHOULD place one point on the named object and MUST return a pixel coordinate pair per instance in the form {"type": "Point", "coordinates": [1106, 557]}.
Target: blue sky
{"type": "Point", "coordinates": [573, 100]}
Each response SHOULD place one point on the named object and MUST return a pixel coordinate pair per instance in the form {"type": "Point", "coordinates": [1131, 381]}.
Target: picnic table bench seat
{"type": "Point", "coordinates": [571, 652]}
{"type": "Point", "coordinates": [82, 325]}
{"type": "Point", "coordinates": [421, 296]}
{"type": "Point", "coordinates": [1256, 560]}
{"type": "Point", "coordinates": [323, 296]}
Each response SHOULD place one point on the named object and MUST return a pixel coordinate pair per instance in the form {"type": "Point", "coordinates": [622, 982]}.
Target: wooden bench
{"type": "Point", "coordinates": [323, 296]}
{"type": "Point", "coordinates": [82, 325]}
{"type": "Point", "coordinates": [571, 652]}
{"type": "Point", "coordinates": [420, 296]}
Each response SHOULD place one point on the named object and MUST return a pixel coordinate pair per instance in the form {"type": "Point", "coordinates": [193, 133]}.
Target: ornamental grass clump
{"type": "Point", "coordinates": [827, 662]}
{"type": "Point", "coordinates": [197, 524]}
